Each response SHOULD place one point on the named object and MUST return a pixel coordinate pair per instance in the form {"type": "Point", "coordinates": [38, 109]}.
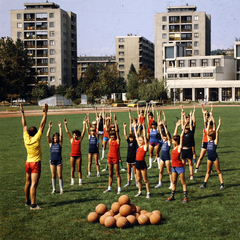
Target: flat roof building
{"type": "Point", "coordinates": [50, 36]}
{"type": "Point", "coordinates": [135, 50]}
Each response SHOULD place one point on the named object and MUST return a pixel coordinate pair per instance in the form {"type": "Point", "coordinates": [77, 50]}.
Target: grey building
{"type": "Point", "coordinates": [50, 36]}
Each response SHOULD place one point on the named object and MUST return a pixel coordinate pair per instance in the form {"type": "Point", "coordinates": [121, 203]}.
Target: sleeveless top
{"type": "Point", "coordinates": [93, 141]}
{"type": "Point", "coordinates": [165, 151]}
{"type": "Point", "coordinates": [56, 152]}
{"type": "Point", "coordinates": [113, 149]}
{"type": "Point", "coordinates": [142, 119]}
{"type": "Point", "coordinates": [211, 150]}
{"type": "Point", "coordinates": [140, 156]}
{"type": "Point", "coordinates": [100, 128]}
{"type": "Point", "coordinates": [75, 148]}
{"type": "Point", "coordinates": [132, 147]}
{"type": "Point", "coordinates": [176, 161]}
{"type": "Point", "coordinates": [154, 136]}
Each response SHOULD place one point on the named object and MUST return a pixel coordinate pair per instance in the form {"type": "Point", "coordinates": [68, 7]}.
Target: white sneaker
{"type": "Point", "coordinates": [170, 187]}
{"type": "Point", "coordinates": [61, 191]}
{"type": "Point", "coordinates": [98, 175]}
{"type": "Point", "coordinates": [104, 170]}
{"type": "Point", "coordinates": [53, 191]}
{"type": "Point", "coordinates": [119, 192]}
{"type": "Point", "coordinates": [139, 194]}
{"type": "Point", "coordinates": [36, 208]}
{"type": "Point", "coordinates": [195, 171]}
{"type": "Point", "coordinates": [89, 175]}
{"type": "Point", "coordinates": [80, 184]}
{"type": "Point", "coordinates": [123, 169]}
{"type": "Point", "coordinates": [127, 185]}
{"type": "Point", "coordinates": [157, 186]}
{"type": "Point", "coordinates": [148, 195]}
{"type": "Point", "coordinates": [149, 167]}
{"type": "Point", "coordinates": [72, 183]}
{"type": "Point", "coordinates": [191, 178]}
{"type": "Point", "coordinates": [107, 191]}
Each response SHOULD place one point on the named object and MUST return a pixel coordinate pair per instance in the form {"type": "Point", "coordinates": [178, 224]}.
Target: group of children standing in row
{"type": "Point", "coordinates": [139, 140]}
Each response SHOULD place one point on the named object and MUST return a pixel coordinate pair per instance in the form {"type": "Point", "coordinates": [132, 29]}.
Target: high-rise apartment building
{"type": "Point", "coordinates": [50, 36]}
{"type": "Point", "coordinates": [135, 50]}
{"type": "Point", "coordinates": [182, 24]}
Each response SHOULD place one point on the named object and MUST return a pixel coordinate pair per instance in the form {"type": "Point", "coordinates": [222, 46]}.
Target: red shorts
{"type": "Point", "coordinates": [33, 167]}
{"type": "Point", "coordinates": [113, 160]}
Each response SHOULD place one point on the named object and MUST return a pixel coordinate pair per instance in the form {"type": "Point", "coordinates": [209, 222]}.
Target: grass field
{"type": "Point", "coordinates": [210, 214]}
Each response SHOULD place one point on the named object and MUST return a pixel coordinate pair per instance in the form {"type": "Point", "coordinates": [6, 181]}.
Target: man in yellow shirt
{"type": "Point", "coordinates": [32, 138]}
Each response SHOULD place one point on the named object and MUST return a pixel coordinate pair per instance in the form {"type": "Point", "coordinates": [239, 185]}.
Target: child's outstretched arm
{"type": "Point", "coordinates": [48, 132]}
{"type": "Point", "coordinates": [125, 130]}
{"type": "Point", "coordinates": [24, 124]}
{"type": "Point", "coordinates": [44, 119]}
{"type": "Point", "coordinates": [177, 126]}
{"type": "Point", "coordinates": [217, 131]}
{"type": "Point", "coordinates": [66, 128]}
{"type": "Point", "coordinates": [84, 128]}
{"type": "Point", "coordinates": [60, 133]}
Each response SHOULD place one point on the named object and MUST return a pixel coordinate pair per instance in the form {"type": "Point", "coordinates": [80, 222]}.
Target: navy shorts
{"type": "Point", "coordinates": [56, 162]}
{"type": "Point", "coordinates": [141, 165]}
{"type": "Point", "coordinates": [178, 170]}
{"type": "Point", "coordinates": [204, 145]}
{"type": "Point", "coordinates": [164, 159]}
{"type": "Point", "coordinates": [131, 160]}
{"type": "Point", "coordinates": [187, 153]}
{"type": "Point", "coordinates": [212, 159]}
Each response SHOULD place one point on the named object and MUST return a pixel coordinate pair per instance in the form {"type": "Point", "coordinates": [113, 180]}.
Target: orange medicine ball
{"type": "Point", "coordinates": [132, 220]}
{"type": "Point", "coordinates": [101, 209]}
{"type": "Point", "coordinates": [125, 210]}
{"type": "Point", "coordinates": [138, 209]}
{"type": "Point", "coordinates": [122, 222]}
{"type": "Point", "coordinates": [155, 219]}
{"type": "Point", "coordinates": [124, 199]}
{"type": "Point", "coordinates": [102, 218]}
{"type": "Point", "coordinates": [115, 207]}
{"type": "Point", "coordinates": [110, 222]}
{"type": "Point", "coordinates": [143, 219]}
{"type": "Point", "coordinates": [93, 217]}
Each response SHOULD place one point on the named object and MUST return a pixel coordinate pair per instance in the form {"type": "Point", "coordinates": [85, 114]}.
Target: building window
{"type": "Point", "coordinates": [121, 59]}
{"type": "Point", "coordinates": [52, 52]}
{"type": "Point", "coordinates": [51, 42]}
{"type": "Point", "coordinates": [51, 33]}
{"type": "Point", "coordinates": [217, 63]}
{"type": "Point", "coordinates": [196, 44]}
{"type": "Point", "coordinates": [121, 39]}
{"type": "Point", "coordinates": [196, 18]}
{"type": "Point", "coordinates": [121, 72]}
{"type": "Point", "coordinates": [52, 79]}
{"type": "Point", "coordinates": [52, 60]}
{"type": "Point", "coordinates": [172, 75]}
{"type": "Point", "coordinates": [51, 24]}
{"type": "Point", "coordinates": [19, 16]}
{"type": "Point", "coordinates": [204, 62]}
{"type": "Point", "coordinates": [164, 35]}
{"type": "Point", "coordinates": [196, 35]}
{"type": "Point", "coordinates": [121, 46]}
{"type": "Point", "coordinates": [52, 69]}
{"type": "Point", "coordinates": [164, 27]}
{"type": "Point", "coordinates": [164, 18]}
{"type": "Point", "coordinates": [181, 63]}
{"type": "Point", "coordinates": [121, 53]}
{"type": "Point", "coordinates": [19, 25]}
{"type": "Point", "coordinates": [51, 15]}
{"type": "Point", "coordinates": [195, 74]}
{"type": "Point", "coordinates": [192, 63]}
{"type": "Point", "coordinates": [207, 74]}
{"type": "Point", "coordinates": [238, 50]}
{"type": "Point", "coordinates": [19, 34]}
{"type": "Point", "coordinates": [195, 26]}
{"type": "Point", "coordinates": [40, 16]}
{"type": "Point", "coordinates": [121, 66]}
{"type": "Point", "coordinates": [183, 75]}
{"type": "Point", "coordinates": [196, 52]}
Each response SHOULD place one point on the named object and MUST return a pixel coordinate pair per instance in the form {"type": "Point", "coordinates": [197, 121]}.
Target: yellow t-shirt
{"type": "Point", "coordinates": [34, 152]}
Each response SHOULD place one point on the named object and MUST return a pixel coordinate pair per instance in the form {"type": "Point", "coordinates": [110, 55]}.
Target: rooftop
{"type": "Point", "coordinates": [182, 8]}
{"type": "Point", "coordinates": [41, 5]}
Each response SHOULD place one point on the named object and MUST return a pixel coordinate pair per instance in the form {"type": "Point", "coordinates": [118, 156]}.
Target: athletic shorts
{"type": "Point", "coordinates": [76, 157]}
{"type": "Point", "coordinates": [141, 165]}
{"type": "Point", "coordinates": [178, 170]}
{"type": "Point", "coordinates": [164, 160]}
{"type": "Point", "coordinates": [56, 162]}
{"type": "Point", "coordinates": [93, 151]}
{"type": "Point", "coordinates": [212, 159]}
{"type": "Point", "coordinates": [187, 153]}
{"type": "Point", "coordinates": [153, 144]}
{"type": "Point", "coordinates": [113, 161]}
{"type": "Point", "coordinates": [100, 132]}
{"type": "Point", "coordinates": [131, 160]}
{"type": "Point", "coordinates": [105, 139]}
{"type": "Point", "coordinates": [204, 145]}
{"type": "Point", "coordinates": [33, 167]}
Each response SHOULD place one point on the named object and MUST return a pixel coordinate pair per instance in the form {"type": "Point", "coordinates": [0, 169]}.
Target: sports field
{"type": "Point", "coordinates": [211, 213]}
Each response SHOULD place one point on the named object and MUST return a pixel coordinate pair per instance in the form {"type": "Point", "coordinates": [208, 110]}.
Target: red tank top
{"type": "Point", "coordinates": [140, 155]}
{"type": "Point", "coordinates": [176, 161]}
{"type": "Point", "coordinates": [105, 132]}
{"type": "Point", "coordinates": [142, 119]}
{"type": "Point", "coordinates": [205, 135]}
{"type": "Point", "coordinates": [113, 149]}
{"type": "Point", "coordinates": [75, 148]}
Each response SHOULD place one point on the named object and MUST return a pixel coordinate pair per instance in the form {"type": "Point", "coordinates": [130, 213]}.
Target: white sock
{"type": "Point", "coordinates": [98, 173]}
{"type": "Point", "coordinates": [131, 172]}
{"type": "Point", "coordinates": [61, 184]}
{"type": "Point", "coordinates": [54, 184]}
{"type": "Point", "coordinates": [103, 153]}
{"type": "Point", "coordinates": [150, 162]}
{"type": "Point", "coordinates": [119, 189]}
{"type": "Point", "coordinates": [89, 173]}
{"type": "Point", "coordinates": [109, 188]}
{"type": "Point", "coordinates": [160, 183]}
{"type": "Point", "coordinates": [148, 192]}
{"type": "Point", "coordinates": [80, 180]}
{"type": "Point", "coordinates": [139, 191]}
{"type": "Point", "coordinates": [72, 180]}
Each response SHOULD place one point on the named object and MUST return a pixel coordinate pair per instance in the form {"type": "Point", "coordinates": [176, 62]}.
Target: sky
{"type": "Point", "coordinates": [100, 21]}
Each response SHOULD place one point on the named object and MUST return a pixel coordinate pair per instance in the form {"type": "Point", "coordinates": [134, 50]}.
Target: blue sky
{"type": "Point", "coordinates": [100, 21]}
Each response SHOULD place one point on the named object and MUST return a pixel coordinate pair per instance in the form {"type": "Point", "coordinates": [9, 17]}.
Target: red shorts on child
{"type": "Point", "coordinates": [113, 160]}
{"type": "Point", "coordinates": [33, 167]}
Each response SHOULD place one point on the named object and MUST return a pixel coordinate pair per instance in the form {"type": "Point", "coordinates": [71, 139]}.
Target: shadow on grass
{"type": "Point", "coordinates": [82, 200]}
{"type": "Point", "coordinates": [208, 196]}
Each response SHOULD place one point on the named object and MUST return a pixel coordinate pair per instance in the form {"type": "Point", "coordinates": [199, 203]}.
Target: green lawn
{"type": "Point", "coordinates": [210, 214]}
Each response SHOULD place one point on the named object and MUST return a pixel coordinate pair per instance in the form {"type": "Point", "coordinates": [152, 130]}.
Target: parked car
{"type": "Point", "coordinates": [135, 102]}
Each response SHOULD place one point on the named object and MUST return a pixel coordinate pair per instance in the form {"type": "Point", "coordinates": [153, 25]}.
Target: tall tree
{"type": "Point", "coordinates": [40, 91]}
{"type": "Point", "coordinates": [145, 75]}
{"type": "Point", "coordinates": [16, 74]}
{"type": "Point", "coordinates": [61, 90]}
{"type": "Point", "coordinates": [132, 83]}
{"type": "Point", "coordinates": [70, 93]}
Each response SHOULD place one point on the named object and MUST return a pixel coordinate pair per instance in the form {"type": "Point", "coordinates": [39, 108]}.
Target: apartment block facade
{"type": "Point", "coordinates": [50, 36]}
{"type": "Point", "coordinates": [135, 50]}
{"type": "Point", "coordinates": [184, 25]}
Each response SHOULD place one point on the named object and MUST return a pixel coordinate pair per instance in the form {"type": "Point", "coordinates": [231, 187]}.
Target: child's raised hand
{"type": "Point", "coordinates": [124, 124]}
{"type": "Point", "coordinates": [178, 123]}
{"type": "Point", "coordinates": [59, 124]}
{"type": "Point", "coordinates": [219, 119]}
{"type": "Point", "coordinates": [65, 121]}
{"type": "Point", "coordinates": [50, 124]}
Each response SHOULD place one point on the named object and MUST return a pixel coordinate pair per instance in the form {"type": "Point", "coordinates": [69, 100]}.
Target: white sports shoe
{"type": "Point", "coordinates": [158, 186]}
{"type": "Point", "coordinates": [53, 191]}
{"type": "Point", "coordinates": [148, 195]}
{"type": "Point", "coordinates": [108, 190]}
{"type": "Point", "coordinates": [61, 191]}
{"type": "Point", "coordinates": [139, 194]}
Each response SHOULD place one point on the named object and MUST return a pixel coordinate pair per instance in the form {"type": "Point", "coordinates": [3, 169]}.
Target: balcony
{"type": "Point", "coordinates": [42, 46]}
{"type": "Point", "coordinates": [29, 19]}
{"type": "Point", "coordinates": [29, 28]}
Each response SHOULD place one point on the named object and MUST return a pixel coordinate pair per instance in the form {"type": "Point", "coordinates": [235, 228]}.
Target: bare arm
{"type": "Point", "coordinates": [193, 117]}
{"type": "Point", "coordinates": [60, 133]}
{"type": "Point", "coordinates": [136, 135]}
{"type": "Point", "coordinates": [125, 130]}
{"type": "Point", "coordinates": [24, 124]}
{"type": "Point", "coordinates": [83, 131]}
{"type": "Point", "coordinates": [48, 132]}
{"type": "Point", "coordinates": [217, 131]}
{"type": "Point", "coordinates": [176, 128]}
{"type": "Point", "coordinates": [181, 139]}
{"type": "Point", "coordinates": [44, 119]}
{"type": "Point", "coordinates": [153, 112]}
{"type": "Point", "coordinates": [145, 138]}
{"type": "Point", "coordinates": [66, 128]}
{"type": "Point", "coordinates": [86, 124]}
{"type": "Point", "coordinates": [88, 120]}
{"type": "Point", "coordinates": [190, 121]}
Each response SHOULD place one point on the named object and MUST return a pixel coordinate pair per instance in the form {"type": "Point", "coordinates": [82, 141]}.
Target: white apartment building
{"type": "Point", "coordinates": [50, 36]}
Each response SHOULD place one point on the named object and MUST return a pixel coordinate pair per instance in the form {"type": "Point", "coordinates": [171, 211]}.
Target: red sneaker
{"type": "Point", "coordinates": [170, 199]}
{"type": "Point", "coordinates": [185, 200]}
